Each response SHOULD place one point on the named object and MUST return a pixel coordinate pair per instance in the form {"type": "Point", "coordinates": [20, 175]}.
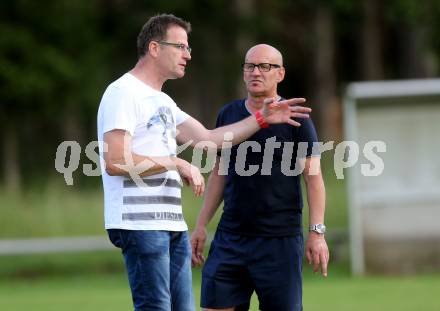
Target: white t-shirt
{"type": "Point", "coordinates": [151, 118]}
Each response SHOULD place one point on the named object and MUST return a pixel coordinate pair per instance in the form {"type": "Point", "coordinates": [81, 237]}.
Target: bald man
{"type": "Point", "coordinates": [258, 245]}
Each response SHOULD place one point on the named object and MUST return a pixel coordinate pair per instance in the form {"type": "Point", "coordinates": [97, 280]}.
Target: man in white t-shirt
{"type": "Point", "coordinates": [138, 126]}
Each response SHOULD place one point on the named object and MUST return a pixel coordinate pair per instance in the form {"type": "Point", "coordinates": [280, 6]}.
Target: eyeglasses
{"type": "Point", "coordinates": [264, 67]}
{"type": "Point", "coordinates": [179, 46]}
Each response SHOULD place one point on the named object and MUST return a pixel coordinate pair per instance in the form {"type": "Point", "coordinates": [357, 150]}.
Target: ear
{"type": "Point", "coordinates": [153, 49]}
{"type": "Point", "coordinates": [281, 73]}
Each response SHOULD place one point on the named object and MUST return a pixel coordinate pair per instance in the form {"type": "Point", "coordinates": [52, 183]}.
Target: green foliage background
{"type": "Point", "coordinates": [58, 56]}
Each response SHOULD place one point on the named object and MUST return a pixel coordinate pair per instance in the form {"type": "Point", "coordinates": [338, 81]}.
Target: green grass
{"type": "Point", "coordinates": [57, 264]}
{"type": "Point", "coordinates": [96, 280]}
{"type": "Point", "coordinates": [344, 293]}
{"type": "Point", "coordinates": [80, 289]}
{"type": "Point", "coordinates": [102, 292]}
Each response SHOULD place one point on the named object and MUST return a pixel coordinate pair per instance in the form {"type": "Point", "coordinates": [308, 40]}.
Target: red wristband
{"type": "Point", "coordinates": [260, 119]}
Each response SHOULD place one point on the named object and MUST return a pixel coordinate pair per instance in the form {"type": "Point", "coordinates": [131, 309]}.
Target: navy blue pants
{"type": "Point", "coordinates": [239, 265]}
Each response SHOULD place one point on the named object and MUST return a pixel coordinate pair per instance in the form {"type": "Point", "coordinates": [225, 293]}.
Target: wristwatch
{"type": "Point", "coordinates": [318, 228]}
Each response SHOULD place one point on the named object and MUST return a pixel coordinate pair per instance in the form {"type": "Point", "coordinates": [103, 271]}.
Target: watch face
{"type": "Point", "coordinates": [319, 228]}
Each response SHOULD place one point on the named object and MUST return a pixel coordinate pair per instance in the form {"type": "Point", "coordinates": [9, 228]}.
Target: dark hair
{"type": "Point", "coordinates": [156, 29]}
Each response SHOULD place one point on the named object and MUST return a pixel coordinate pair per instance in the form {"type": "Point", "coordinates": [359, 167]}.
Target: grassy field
{"type": "Point", "coordinates": [70, 287]}
{"type": "Point", "coordinates": [96, 281]}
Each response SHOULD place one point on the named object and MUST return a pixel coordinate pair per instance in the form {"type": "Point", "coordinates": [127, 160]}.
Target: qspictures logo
{"type": "Point", "coordinates": [346, 154]}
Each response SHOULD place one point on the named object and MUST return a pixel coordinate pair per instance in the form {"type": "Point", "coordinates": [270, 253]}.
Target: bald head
{"type": "Point", "coordinates": [265, 51]}
{"type": "Point", "coordinates": [262, 82]}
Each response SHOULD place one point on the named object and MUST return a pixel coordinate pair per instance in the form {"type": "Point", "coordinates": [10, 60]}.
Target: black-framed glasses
{"type": "Point", "coordinates": [180, 46]}
{"type": "Point", "coordinates": [264, 67]}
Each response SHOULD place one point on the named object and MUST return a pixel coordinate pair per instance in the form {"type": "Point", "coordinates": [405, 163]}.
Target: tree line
{"type": "Point", "coordinates": [57, 57]}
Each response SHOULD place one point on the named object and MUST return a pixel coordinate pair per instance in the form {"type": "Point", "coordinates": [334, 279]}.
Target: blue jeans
{"type": "Point", "coordinates": [158, 264]}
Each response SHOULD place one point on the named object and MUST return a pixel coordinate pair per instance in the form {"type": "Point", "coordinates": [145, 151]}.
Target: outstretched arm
{"type": "Point", "coordinates": [272, 112]}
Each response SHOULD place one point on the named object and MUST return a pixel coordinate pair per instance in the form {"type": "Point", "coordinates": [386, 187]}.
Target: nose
{"type": "Point", "coordinates": [186, 55]}
{"type": "Point", "coordinates": [256, 71]}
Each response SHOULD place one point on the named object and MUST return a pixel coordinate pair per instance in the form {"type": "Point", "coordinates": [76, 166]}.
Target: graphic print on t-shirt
{"type": "Point", "coordinates": [163, 118]}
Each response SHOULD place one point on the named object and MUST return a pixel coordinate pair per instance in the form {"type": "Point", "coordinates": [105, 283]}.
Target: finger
{"type": "Point", "coordinates": [199, 250]}
{"type": "Point", "coordinates": [293, 101]}
{"type": "Point", "coordinates": [193, 261]}
{"type": "Point", "coordinates": [200, 259]}
{"type": "Point", "coordinates": [309, 256]}
{"type": "Point", "coordinates": [194, 251]}
{"type": "Point", "coordinates": [194, 188]}
{"type": "Point", "coordinates": [197, 253]}
{"type": "Point", "coordinates": [299, 115]}
{"type": "Point", "coordinates": [269, 100]}
{"type": "Point", "coordinates": [316, 262]}
{"type": "Point", "coordinates": [200, 182]}
{"type": "Point", "coordinates": [293, 122]}
{"type": "Point", "coordinates": [300, 109]}
{"type": "Point", "coordinates": [324, 263]}
{"type": "Point", "coordinates": [194, 242]}
{"type": "Point", "coordinates": [194, 185]}
{"type": "Point", "coordinates": [202, 187]}
{"type": "Point", "coordinates": [199, 190]}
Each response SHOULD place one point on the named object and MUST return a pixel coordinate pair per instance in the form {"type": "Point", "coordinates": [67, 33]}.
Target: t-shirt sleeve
{"type": "Point", "coordinates": [219, 122]}
{"type": "Point", "coordinates": [118, 111]}
{"type": "Point", "coordinates": [181, 116]}
{"type": "Point", "coordinates": [307, 135]}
